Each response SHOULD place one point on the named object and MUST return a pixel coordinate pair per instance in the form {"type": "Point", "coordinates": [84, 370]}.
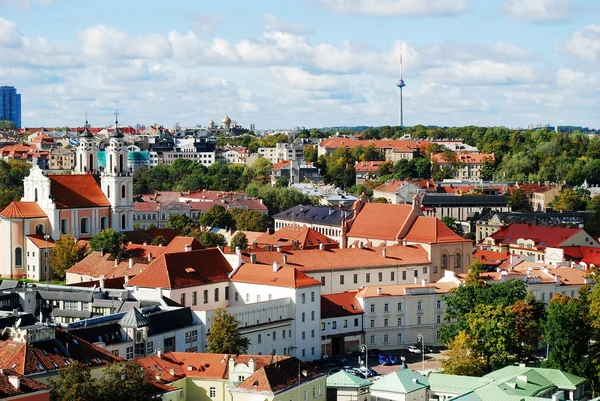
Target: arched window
{"type": "Point", "coordinates": [18, 257]}
{"type": "Point", "coordinates": [458, 261]}
{"type": "Point", "coordinates": [123, 221]}
{"type": "Point", "coordinates": [64, 226]}
{"type": "Point", "coordinates": [103, 223]}
{"type": "Point", "coordinates": [444, 261]}
{"type": "Point", "coordinates": [121, 163]}
{"type": "Point", "coordinates": [110, 166]}
{"type": "Point", "coordinates": [108, 191]}
{"type": "Point", "coordinates": [85, 225]}
{"type": "Point", "coordinates": [91, 162]}
{"type": "Point", "coordinates": [39, 229]}
{"type": "Point", "coordinates": [123, 191]}
{"type": "Point", "coordinates": [35, 195]}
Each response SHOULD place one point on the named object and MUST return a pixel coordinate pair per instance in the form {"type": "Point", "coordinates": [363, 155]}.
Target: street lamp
{"type": "Point", "coordinates": [364, 349]}
{"type": "Point", "coordinates": [421, 339]}
{"type": "Point", "coordinates": [47, 237]}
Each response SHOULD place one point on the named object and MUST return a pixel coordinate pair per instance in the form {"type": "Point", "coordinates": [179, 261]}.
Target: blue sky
{"type": "Point", "coordinates": [314, 63]}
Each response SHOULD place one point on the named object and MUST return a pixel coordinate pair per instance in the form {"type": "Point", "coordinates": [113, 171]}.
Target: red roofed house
{"type": "Point", "coordinates": [294, 237]}
{"type": "Point", "coordinates": [81, 204]}
{"type": "Point", "coordinates": [398, 192]}
{"type": "Point", "coordinates": [394, 149]}
{"type": "Point", "coordinates": [365, 170]}
{"type": "Point", "coordinates": [540, 242]}
{"type": "Point", "coordinates": [470, 165]}
{"type": "Point", "coordinates": [341, 323]}
{"type": "Point", "coordinates": [539, 194]}
{"type": "Point", "coordinates": [18, 387]}
{"type": "Point", "coordinates": [377, 224]}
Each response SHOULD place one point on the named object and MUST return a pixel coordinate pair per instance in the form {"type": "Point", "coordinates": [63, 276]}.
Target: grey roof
{"type": "Point", "coordinates": [550, 218]}
{"type": "Point", "coordinates": [80, 314]}
{"type": "Point", "coordinates": [9, 284]}
{"type": "Point", "coordinates": [134, 320]}
{"type": "Point", "coordinates": [66, 295]}
{"type": "Point", "coordinates": [464, 200]}
{"type": "Point", "coordinates": [315, 215]}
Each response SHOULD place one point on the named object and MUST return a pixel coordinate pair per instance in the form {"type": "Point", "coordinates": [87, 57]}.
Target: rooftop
{"type": "Point", "coordinates": [76, 191]}
{"type": "Point", "coordinates": [23, 210]}
{"type": "Point", "coordinates": [340, 304]}
{"type": "Point", "coordinates": [301, 237]}
{"type": "Point", "coordinates": [285, 276]}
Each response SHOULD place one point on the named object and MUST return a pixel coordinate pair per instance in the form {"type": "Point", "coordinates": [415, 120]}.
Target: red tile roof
{"type": "Point", "coordinates": [543, 236]}
{"type": "Point", "coordinates": [40, 242]}
{"type": "Point", "coordinates": [340, 304]}
{"type": "Point", "coordinates": [380, 221]}
{"type": "Point", "coordinates": [280, 376]}
{"type": "Point", "coordinates": [368, 166]}
{"type": "Point", "coordinates": [184, 269]}
{"type": "Point", "coordinates": [302, 237]}
{"type": "Point", "coordinates": [403, 289]}
{"type": "Point", "coordinates": [95, 265]}
{"type": "Point", "coordinates": [285, 276]}
{"type": "Point", "coordinates": [26, 386]}
{"type": "Point", "coordinates": [499, 260]}
{"type": "Point", "coordinates": [466, 158]}
{"type": "Point", "coordinates": [396, 144]}
{"type": "Point", "coordinates": [394, 185]}
{"type": "Point", "coordinates": [77, 191]}
{"type": "Point", "coordinates": [141, 236]}
{"type": "Point", "coordinates": [50, 355]}
{"type": "Point", "coordinates": [23, 210]}
{"type": "Point", "coordinates": [348, 258]}
{"type": "Point", "coordinates": [431, 230]}
{"type": "Point", "coordinates": [586, 254]}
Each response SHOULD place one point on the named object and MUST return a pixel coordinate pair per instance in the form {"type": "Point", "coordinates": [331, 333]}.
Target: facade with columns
{"type": "Point", "coordinates": [81, 204]}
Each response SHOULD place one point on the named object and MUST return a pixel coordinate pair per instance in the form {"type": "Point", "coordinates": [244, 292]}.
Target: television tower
{"type": "Point", "coordinates": [400, 84]}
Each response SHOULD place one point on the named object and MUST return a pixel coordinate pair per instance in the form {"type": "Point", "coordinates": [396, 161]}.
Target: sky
{"type": "Point", "coordinates": [312, 63]}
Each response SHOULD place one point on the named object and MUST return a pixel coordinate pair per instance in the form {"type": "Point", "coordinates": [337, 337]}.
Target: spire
{"type": "Point", "coordinates": [400, 84]}
{"type": "Point", "coordinates": [86, 132]}
{"type": "Point", "coordinates": [116, 133]}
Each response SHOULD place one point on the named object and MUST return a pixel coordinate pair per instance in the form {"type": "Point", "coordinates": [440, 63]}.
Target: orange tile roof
{"type": "Point", "coordinates": [393, 185]}
{"type": "Point", "coordinates": [23, 210]}
{"type": "Point", "coordinates": [278, 377]}
{"type": "Point", "coordinates": [303, 237]}
{"type": "Point", "coordinates": [348, 258]}
{"type": "Point", "coordinates": [179, 243]}
{"type": "Point", "coordinates": [95, 265]}
{"type": "Point", "coordinates": [403, 289]}
{"type": "Point", "coordinates": [26, 386]}
{"type": "Point", "coordinates": [76, 191]}
{"type": "Point", "coordinates": [40, 242]}
{"type": "Point", "coordinates": [466, 158]}
{"type": "Point", "coordinates": [546, 274]}
{"type": "Point", "coordinates": [395, 144]}
{"type": "Point", "coordinates": [285, 276]}
{"type": "Point", "coordinates": [184, 269]}
{"type": "Point", "coordinates": [340, 304]}
{"type": "Point", "coordinates": [492, 258]}
{"type": "Point", "coordinates": [431, 230]}
{"type": "Point", "coordinates": [380, 221]}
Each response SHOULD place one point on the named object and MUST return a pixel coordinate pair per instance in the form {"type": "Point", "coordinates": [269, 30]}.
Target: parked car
{"type": "Point", "coordinates": [393, 360]}
{"type": "Point", "coordinates": [370, 372]}
{"type": "Point", "coordinates": [383, 360]}
{"type": "Point", "coordinates": [414, 349]}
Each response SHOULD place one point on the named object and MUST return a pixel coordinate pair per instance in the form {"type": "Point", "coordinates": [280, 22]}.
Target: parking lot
{"type": "Point", "coordinates": [350, 362]}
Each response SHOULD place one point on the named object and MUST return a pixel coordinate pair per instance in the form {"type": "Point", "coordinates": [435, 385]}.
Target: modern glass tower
{"type": "Point", "coordinates": [10, 105]}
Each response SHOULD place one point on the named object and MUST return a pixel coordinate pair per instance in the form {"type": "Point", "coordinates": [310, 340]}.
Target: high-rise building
{"type": "Point", "coordinates": [10, 105]}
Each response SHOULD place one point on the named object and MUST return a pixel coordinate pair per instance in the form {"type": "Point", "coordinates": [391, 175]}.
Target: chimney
{"type": "Point", "coordinates": [424, 282]}
{"type": "Point", "coordinates": [159, 353]}
{"type": "Point", "coordinates": [384, 252]}
{"type": "Point", "coordinates": [187, 248]}
{"type": "Point", "coordinates": [379, 291]}
{"type": "Point", "coordinates": [279, 248]}
{"type": "Point", "coordinates": [15, 381]}
{"type": "Point", "coordinates": [117, 261]}
{"type": "Point", "coordinates": [172, 372]}
{"type": "Point", "coordinates": [251, 365]}
{"type": "Point", "coordinates": [126, 279]}
{"type": "Point", "coordinates": [157, 377]}
{"type": "Point", "coordinates": [231, 365]}
{"type": "Point", "coordinates": [322, 246]}
{"type": "Point", "coordinates": [275, 267]}
{"type": "Point", "coordinates": [149, 256]}
{"type": "Point", "coordinates": [404, 242]}
{"type": "Point", "coordinates": [102, 282]}
{"type": "Point", "coordinates": [252, 258]}
{"type": "Point", "coordinates": [238, 251]}
{"type": "Point", "coordinates": [130, 263]}
{"type": "Point", "coordinates": [285, 258]}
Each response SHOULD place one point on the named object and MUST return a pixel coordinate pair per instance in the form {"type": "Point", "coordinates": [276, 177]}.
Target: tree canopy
{"type": "Point", "coordinates": [64, 255]}
{"type": "Point", "coordinates": [240, 240]}
{"type": "Point", "coordinates": [110, 241]}
{"type": "Point", "coordinates": [224, 336]}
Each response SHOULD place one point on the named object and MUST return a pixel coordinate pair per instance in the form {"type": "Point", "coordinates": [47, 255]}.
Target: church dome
{"type": "Point", "coordinates": [211, 122]}
{"type": "Point", "coordinates": [226, 120]}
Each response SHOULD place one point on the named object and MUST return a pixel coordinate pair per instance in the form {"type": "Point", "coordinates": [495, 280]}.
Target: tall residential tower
{"type": "Point", "coordinates": [10, 105]}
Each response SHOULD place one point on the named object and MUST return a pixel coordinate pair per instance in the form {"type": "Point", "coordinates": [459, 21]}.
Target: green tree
{"type": "Point", "coordinates": [567, 329]}
{"type": "Point", "coordinates": [593, 206]}
{"type": "Point", "coordinates": [109, 241]}
{"type": "Point", "coordinates": [240, 240]}
{"type": "Point", "coordinates": [251, 220]}
{"type": "Point", "coordinates": [179, 220]}
{"type": "Point", "coordinates": [568, 200]}
{"type": "Point", "coordinates": [64, 255]}
{"type": "Point", "coordinates": [159, 240]}
{"type": "Point", "coordinates": [7, 125]}
{"type": "Point", "coordinates": [310, 154]}
{"type": "Point", "coordinates": [217, 216]}
{"type": "Point", "coordinates": [519, 202]}
{"type": "Point", "coordinates": [262, 166]}
{"type": "Point", "coordinates": [461, 359]}
{"type": "Point", "coordinates": [476, 274]}
{"type": "Point", "coordinates": [74, 383]}
{"type": "Point", "coordinates": [125, 381]}
{"type": "Point", "coordinates": [450, 222]}
{"type": "Point", "coordinates": [209, 239]}
{"type": "Point", "coordinates": [491, 330]}
{"type": "Point", "coordinates": [224, 336]}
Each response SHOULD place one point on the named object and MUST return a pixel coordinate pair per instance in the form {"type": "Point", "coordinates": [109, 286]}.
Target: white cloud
{"type": "Point", "coordinates": [412, 8]}
{"type": "Point", "coordinates": [482, 72]}
{"type": "Point", "coordinates": [9, 34]}
{"type": "Point", "coordinates": [585, 43]}
{"type": "Point", "coordinates": [538, 10]}
{"type": "Point", "coordinates": [206, 23]}
{"type": "Point", "coordinates": [103, 42]}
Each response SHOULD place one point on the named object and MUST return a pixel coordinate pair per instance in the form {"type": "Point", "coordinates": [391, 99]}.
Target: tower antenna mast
{"type": "Point", "coordinates": [400, 84]}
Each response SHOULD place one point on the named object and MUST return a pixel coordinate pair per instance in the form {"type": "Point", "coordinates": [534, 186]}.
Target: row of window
{"type": "Point", "coordinates": [344, 324]}
{"type": "Point", "coordinates": [386, 306]}
{"type": "Point", "coordinates": [379, 276]}
{"type": "Point", "coordinates": [386, 322]}
{"type": "Point", "coordinates": [399, 338]}
{"type": "Point", "coordinates": [216, 296]}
